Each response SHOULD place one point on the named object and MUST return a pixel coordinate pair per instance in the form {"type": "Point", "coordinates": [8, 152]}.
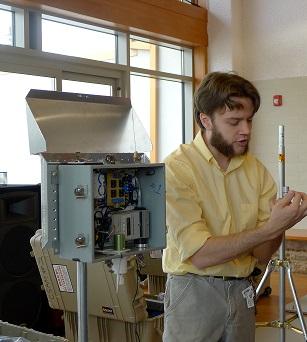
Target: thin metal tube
{"type": "Point", "coordinates": [82, 301]}
{"type": "Point", "coordinates": [269, 269]}
{"type": "Point", "coordinates": [283, 263]}
{"type": "Point", "coordinates": [281, 160]}
{"type": "Point", "coordinates": [281, 187]}
{"type": "Point", "coordinates": [282, 289]}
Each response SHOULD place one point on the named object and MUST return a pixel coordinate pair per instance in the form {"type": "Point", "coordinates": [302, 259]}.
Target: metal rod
{"type": "Point", "coordinates": [82, 301]}
{"type": "Point", "coordinates": [281, 160]}
{"type": "Point", "coordinates": [281, 179]}
{"type": "Point", "coordinates": [282, 289]}
{"type": "Point", "coordinates": [282, 263]}
{"type": "Point", "coordinates": [269, 269]}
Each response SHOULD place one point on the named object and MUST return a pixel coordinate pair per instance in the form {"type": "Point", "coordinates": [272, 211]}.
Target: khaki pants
{"type": "Point", "coordinates": [207, 309]}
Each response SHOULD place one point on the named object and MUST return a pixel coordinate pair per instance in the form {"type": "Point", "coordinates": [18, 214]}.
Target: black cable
{"type": "Point", "coordinates": [102, 225]}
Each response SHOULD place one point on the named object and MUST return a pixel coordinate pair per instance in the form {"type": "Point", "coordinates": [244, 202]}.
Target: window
{"type": "Point", "coordinates": [15, 158]}
{"type": "Point", "coordinates": [6, 27]}
{"type": "Point", "coordinates": [161, 88]}
{"type": "Point", "coordinates": [155, 56]}
{"type": "Point", "coordinates": [86, 88]}
{"type": "Point", "coordinates": [72, 56]}
{"type": "Point", "coordinates": [70, 38]}
{"type": "Point", "coordinates": [160, 106]}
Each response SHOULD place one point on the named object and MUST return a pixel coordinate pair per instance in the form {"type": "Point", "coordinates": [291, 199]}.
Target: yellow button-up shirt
{"type": "Point", "coordinates": [204, 201]}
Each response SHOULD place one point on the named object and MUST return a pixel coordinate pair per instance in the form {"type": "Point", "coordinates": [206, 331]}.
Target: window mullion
{"type": "Point", "coordinates": [187, 62]}
{"type": "Point", "coordinates": [35, 30]}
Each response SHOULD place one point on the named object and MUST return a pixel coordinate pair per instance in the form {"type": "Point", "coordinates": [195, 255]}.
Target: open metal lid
{"type": "Point", "coordinates": [61, 124]}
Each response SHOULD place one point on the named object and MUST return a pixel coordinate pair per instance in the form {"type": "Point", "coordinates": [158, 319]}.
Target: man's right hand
{"type": "Point", "coordinates": [287, 211]}
{"type": "Point", "coordinates": [261, 242]}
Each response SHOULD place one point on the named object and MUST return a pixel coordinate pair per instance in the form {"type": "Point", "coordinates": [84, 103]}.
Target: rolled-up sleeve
{"type": "Point", "coordinates": [187, 227]}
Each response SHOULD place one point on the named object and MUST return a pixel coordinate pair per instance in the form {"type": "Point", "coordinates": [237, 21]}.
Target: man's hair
{"type": "Point", "coordinates": [217, 90]}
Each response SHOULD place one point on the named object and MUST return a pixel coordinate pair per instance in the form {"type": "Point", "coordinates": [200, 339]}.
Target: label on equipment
{"type": "Point", "coordinates": [62, 277]}
{"type": "Point", "coordinates": [107, 310]}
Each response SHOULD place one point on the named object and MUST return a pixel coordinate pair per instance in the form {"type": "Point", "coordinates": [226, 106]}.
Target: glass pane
{"type": "Point", "coordinates": [86, 88]}
{"type": "Point", "coordinates": [72, 40]}
{"type": "Point", "coordinates": [151, 100]}
{"type": "Point", "coordinates": [155, 57]}
{"type": "Point", "coordinates": [170, 123]}
{"type": "Point", "coordinates": [6, 27]}
{"type": "Point", "coordinates": [140, 99]}
{"type": "Point", "coordinates": [15, 158]}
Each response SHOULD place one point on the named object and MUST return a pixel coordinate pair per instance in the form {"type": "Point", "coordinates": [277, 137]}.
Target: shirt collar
{"type": "Point", "coordinates": [203, 149]}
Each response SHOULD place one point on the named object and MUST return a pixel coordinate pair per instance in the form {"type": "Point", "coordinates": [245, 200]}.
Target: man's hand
{"type": "Point", "coordinates": [287, 211]}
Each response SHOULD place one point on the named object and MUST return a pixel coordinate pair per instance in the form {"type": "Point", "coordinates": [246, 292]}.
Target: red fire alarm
{"type": "Point", "coordinates": [277, 100]}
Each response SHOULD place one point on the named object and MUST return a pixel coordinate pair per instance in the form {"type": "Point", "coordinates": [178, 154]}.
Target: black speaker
{"type": "Point", "coordinates": [21, 295]}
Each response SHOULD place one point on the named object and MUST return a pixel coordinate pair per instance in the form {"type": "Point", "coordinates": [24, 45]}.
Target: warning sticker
{"type": "Point", "coordinates": [62, 277]}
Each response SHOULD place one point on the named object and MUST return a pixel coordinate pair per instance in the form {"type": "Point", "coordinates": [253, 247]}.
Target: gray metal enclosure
{"type": "Point", "coordinates": [83, 139]}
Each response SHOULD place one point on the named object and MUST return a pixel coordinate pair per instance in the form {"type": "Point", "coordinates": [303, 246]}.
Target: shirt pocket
{"type": "Point", "coordinates": [248, 216]}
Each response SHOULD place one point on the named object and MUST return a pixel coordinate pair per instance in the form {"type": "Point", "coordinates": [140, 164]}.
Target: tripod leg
{"type": "Point", "coordinates": [270, 267]}
{"type": "Point", "coordinates": [282, 290]}
{"type": "Point", "coordinates": [297, 304]}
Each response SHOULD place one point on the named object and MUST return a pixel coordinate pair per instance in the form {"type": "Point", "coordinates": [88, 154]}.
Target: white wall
{"type": "Point", "coordinates": [260, 39]}
{"type": "Point", "coordinates": [293, 115]}
{"type": "Point", "coordinates": [266, 42]}
{"type": "Point", "coordinates": [219, 35]}
{"type": "Point", "coordinates": [274, 38]}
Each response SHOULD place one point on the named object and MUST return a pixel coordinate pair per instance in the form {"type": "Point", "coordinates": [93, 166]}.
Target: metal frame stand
{"type": "Point", "coordinates": [284, 265]}
{"type": "Point", "coordinates": [82, 301]}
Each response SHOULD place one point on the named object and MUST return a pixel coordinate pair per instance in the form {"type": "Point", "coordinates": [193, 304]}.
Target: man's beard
{"type": "Point", "coordinates": [218, 141]}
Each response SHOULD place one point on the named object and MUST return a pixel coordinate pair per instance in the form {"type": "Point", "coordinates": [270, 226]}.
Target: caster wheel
{"type": "Point", "coordinates": [267, 291]}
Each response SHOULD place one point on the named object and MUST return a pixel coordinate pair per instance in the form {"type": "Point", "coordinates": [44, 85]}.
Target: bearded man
{"type": "Point", "coordinates": [222, 218]}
